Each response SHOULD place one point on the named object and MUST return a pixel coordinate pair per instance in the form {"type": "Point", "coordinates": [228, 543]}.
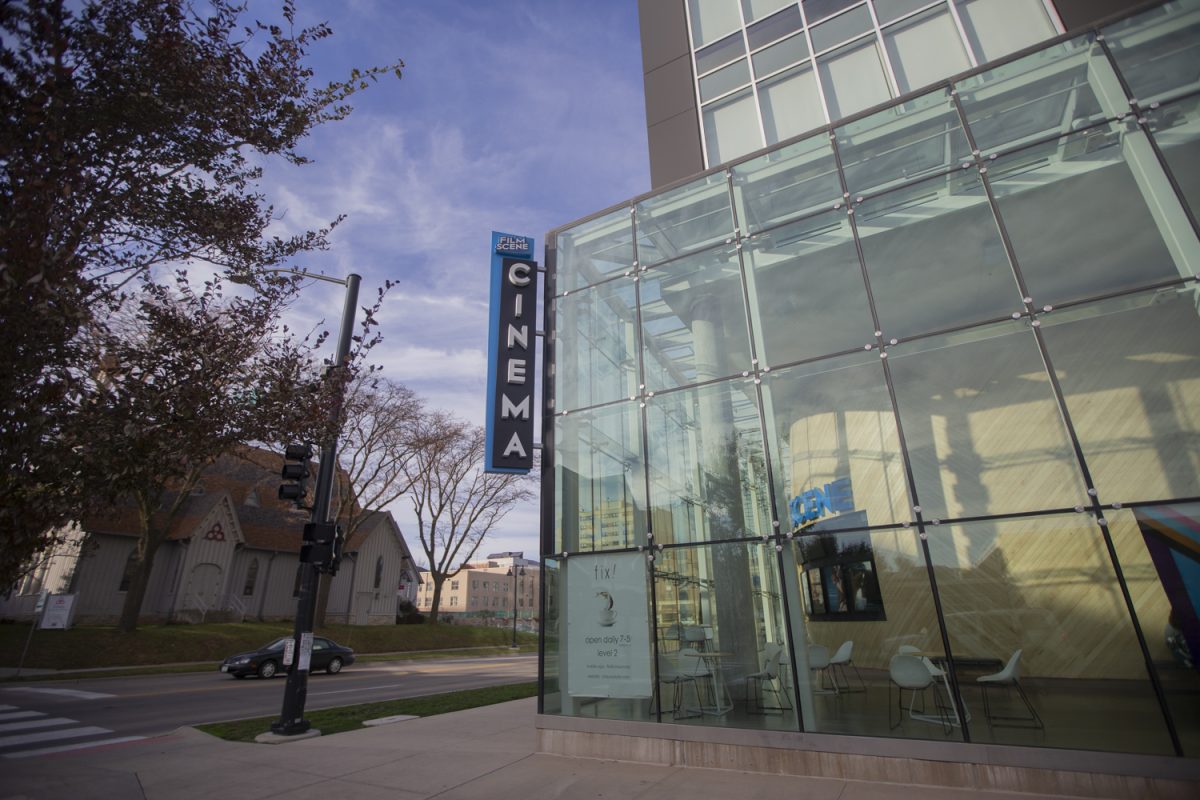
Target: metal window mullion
{"type": "Point", "coordinates": [812, 59]}
{"type": "Point", "coordinates": [687, 18]}
{"type": "Point", "coordinates": [1055, 21]}
{"type": "Point", "coordinates": [883, 53]}
{"type": "Point", "coordinates": [762, 128]}
{"type": "Point", "coordinates": [962, 32]}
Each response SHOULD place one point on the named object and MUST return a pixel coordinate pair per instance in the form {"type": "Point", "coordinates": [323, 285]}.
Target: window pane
{"type": "Point", "coordinates": [831, 421]}
{"type": "Point", "coordinates": [925, 49]}
{"type": "Point", "coordinates": [1176, 128]}
{"type": "Point", "coordinates": [595, 250]}
{"type": "Point", "coordinates": [1018, 586]}
{"type": "Point", "coordinates": [599, 486]}
{"type": "Point", "coordinates": [596, 345]}
{"type": "Point", "coordinates": [888, 10]}
{"type": "Point", "coordinates": [1130, 371]}
{"type": "Point", "coordinates": [791, 104]}
{"type": "Point", "coordinates": [796, 274]}
{"type": "Point", "coordinates": [719, 609]}
{"type": "Point", "coordinates": [853, 79]}
{"type": "Point", "coordinates": [996, 28]}
{"type": "Point", "coordinates": [774, 27]}
{"type": "Point", "coordinates": [895, 561]}
{"type": "Point", "coordinates": [780, 55]}
{"type": "Point", "coordinates": [819, 9]}
{"type": "Point", "coordinates": [694, 320]}
{"type": "Point", "coordinates": [1054, 91]}
{"type": "Point", "coordinates": [1095, 186]}
{"type": "Point", "coordinates": [903, 143]}
{"type": "Point", "coordinates": [983, 431]}
{"type": "Point", "coordinates": [731, 128]}
{"type": "Point", "coordinates": [757, 9]}
{"type": "Point", "coordinates": [792, 181]}
{"type": "Point", "coordinates": [935, 258]}
{"type": "Point", "coordinates": [1158, 51]}
{"type": "Point", "coordinates": [683, 220]}
{"type": "Point", "coordinates": [840, 28]}
{"type": "Point", "coordinates": [712, 19]}
{"type": "Point", "coordinates": [1147, 542]}
{"type": "Point", "coordinates": [708, 477]}
{"type": "Point", "coordinates": [719, 53]}
{"type": "Point", "coordinates": [724, 80]}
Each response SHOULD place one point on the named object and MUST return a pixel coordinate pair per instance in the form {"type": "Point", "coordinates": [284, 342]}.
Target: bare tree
{"type": "Point", "coordinates": [384, 427]}
{"type": "Point", "coordinates": [456, 503]}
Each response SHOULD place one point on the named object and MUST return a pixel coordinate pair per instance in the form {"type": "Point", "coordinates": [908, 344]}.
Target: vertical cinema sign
{"type": "Point", "coordinates": [511, 355]}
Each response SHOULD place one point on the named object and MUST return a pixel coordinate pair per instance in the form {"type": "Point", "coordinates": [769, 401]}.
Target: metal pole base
{"type": "Point", "coordinates": [292, 728]}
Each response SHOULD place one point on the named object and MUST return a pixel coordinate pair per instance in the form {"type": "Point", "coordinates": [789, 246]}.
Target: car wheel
{"type": "Point", "coordinates": [335, 666]}
{"type": "Point", "coordinates": [267, 669]}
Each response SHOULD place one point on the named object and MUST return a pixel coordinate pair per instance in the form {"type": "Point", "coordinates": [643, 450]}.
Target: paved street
{"type": "Point", "coordinates": [58, 716]}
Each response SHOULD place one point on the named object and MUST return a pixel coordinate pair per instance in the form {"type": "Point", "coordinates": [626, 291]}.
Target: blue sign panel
{"type": "Point", "coordinates": [511, 351]}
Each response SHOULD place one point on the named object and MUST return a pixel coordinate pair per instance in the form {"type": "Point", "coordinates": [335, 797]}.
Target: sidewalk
{"type": "Point", "coordinates": [480, 754]}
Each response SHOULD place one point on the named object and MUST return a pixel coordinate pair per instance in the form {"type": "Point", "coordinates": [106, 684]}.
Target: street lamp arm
{"type": "Point", "coordinates": [305, 274]}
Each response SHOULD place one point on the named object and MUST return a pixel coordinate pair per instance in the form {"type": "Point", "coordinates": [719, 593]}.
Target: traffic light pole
{"type": "Point", "coordinates": [291, 720]}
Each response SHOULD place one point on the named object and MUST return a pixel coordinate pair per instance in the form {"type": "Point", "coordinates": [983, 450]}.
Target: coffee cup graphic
{"type": "Point", "coordinates": [607, 613]}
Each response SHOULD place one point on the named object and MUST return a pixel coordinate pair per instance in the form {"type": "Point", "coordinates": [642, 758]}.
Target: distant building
{"type": "Point", "coordinates": [232, 554]}
{"type": "Point", "coordinates": [483, 593]}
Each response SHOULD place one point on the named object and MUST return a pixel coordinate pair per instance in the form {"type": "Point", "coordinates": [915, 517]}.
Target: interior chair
{"type": "Point", "coordinates": [818, 662]}
{"type": "Point", "coordinates": [844, 657]}
{"type": "Point", "coordinates": [908, 673]}
{"type": "Point", "coordinates": [693, 666]}
{"type": "Point", "coordinates": [1010, 676]}
{"type": "Point", "coordinates": [670, 674]}
{"type": "Point", "coordinates": [771, 655]}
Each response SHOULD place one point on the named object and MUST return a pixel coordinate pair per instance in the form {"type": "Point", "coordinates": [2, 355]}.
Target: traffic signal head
{"type": "Point", "coordinates": [295, 471]}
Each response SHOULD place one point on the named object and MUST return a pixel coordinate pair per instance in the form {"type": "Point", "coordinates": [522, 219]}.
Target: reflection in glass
{"type": "Point", "coordinates": [791, 104]}
{"type": "Point", "coordinates": [596, 345]}
{"type": "Point", "coordinates": [1130, 372]}
{"type": "Point", "coordinates": [599, 484]}
{"type": "Point", "coordinates": [902, 143]}
{"type": "Point", "coordinates": [982, 427]}
{"type": "Point", "coordinates": [925, 48]}
{"type": "Point", "coordinates": [796, 273]}
{"type": "Point", "coordinates": [592, 251]}
{"type": "Point", "coordinates": [694, 320]}
{"type": "Point", "coordinates": [935, 258]}
{"type": "Point", "coordinates": [1159, 549]}
{"type": "Point", "coordinates": [719, 621]}
{"type": "Point", "coordinates": [1176, 128]}
{"type": "Point", "coordinates": [790, 182]}
{"type": "Point", "coordinates": [1107, 190]}
{"type": "Point", "coordinates": [996, 28]}
{"type": "Point", "coordinates": [1052, 92]}
{"type": "Point", "coordinates": [708, 478]}
{"type": "Point", "coordinates": [853, 78]}
{"type": "Point", "coordinates": [1157, 51]}
{"type": "Point", "coordinates": [834, 445]}
{"type": "Point", "coordinates": [1045, 587]}
{"type": "Point", "coordinates": [683, 220]}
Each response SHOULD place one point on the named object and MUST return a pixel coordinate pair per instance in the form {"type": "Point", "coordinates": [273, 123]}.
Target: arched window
{"type": "Point", "coordinates": [378, 572]}
{"type": "Point", "coordinates": [251, 578]}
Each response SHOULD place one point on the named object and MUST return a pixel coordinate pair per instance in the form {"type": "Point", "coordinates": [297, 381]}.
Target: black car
{"type": "Point", "coordinates": [266, 661]}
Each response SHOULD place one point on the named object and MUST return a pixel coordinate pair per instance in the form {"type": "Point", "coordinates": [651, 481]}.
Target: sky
{"type": "Point", "coordinates": [511, 115]}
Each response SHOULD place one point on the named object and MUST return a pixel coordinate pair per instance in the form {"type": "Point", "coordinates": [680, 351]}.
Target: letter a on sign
{"type": "Point", "coordinates": [511, 355]}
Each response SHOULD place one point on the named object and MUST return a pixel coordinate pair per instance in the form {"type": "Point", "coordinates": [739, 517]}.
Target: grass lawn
{"type": "Point", "coordinates": [348, 718]}
{"type": "Point", "coordinates": [105, 646]}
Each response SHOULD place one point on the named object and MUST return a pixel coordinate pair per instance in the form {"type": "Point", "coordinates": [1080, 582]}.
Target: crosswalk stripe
{"type": "Point", "coordinates": [76, 694]}
{"type": "Point", "coordinates": [25, 725]}
{"type": "Point", "coordinates": [8, 708]}
{"type": "Point", "coordinates": [20, 715]}
{"type": "Point", "coordinates": [49, 736]}
{"type": "Point", "coordinates": [43, 751]}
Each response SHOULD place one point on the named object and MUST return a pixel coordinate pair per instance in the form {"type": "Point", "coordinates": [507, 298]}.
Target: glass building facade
{"type": "Point", "coordinates": [894, 430]}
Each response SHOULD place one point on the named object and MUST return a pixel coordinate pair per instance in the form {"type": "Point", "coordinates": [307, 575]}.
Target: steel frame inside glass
{"type": "Point", "coordinates": [862, 402]}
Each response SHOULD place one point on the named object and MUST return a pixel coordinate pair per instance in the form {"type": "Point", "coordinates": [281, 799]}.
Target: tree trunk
{"type": "Point", "coordinates": [131, 610]}
{"type": "Point", "coordinates": [437, 600]}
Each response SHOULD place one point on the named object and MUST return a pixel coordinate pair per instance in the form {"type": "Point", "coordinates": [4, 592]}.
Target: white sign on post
{"type": "Point", "coordinates": [305, 651]}
{"type": "Point", "coordinates": [57, 614]}
{"type": "Point", "coordinates": [608, 627]}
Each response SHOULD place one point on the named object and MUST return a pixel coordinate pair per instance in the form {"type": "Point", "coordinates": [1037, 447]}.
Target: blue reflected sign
{"type": "Point", "coordinates": [835, 497]}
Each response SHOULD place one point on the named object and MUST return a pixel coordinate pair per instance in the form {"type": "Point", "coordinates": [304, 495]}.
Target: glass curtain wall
{"type": "Point", "coordinates": [895, 431]}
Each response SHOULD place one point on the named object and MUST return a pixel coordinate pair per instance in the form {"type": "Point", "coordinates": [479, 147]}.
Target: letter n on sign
{"type": "Point", "coordinates": [511, 354]}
